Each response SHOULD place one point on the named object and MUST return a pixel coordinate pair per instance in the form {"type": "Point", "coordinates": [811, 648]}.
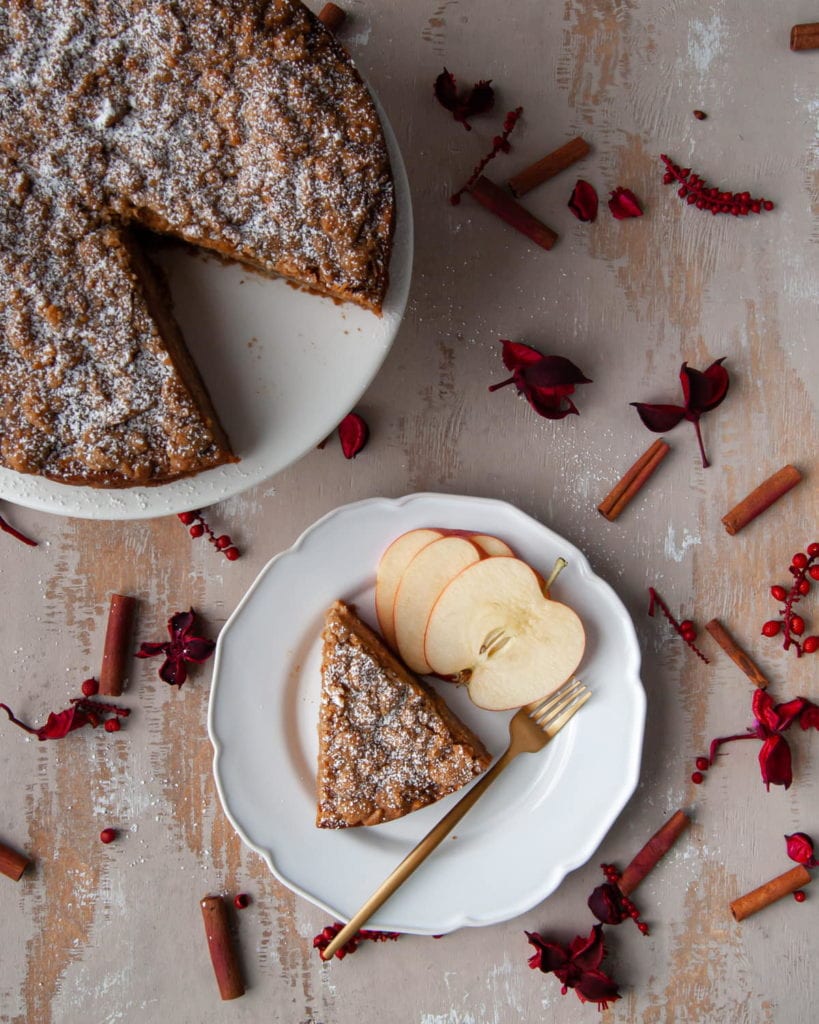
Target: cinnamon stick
{"type": "Point", "coordinates": [653, 851]}
{"type": "Point", "coordinates": [222, 949]}
{"type": "Point", "coordinates": [12, 863]}
{"type": "Point", "coordinates": [493, 197]}
{"type": "Point", "coordinates": [117, 638]}
{"type": "Point", "coordinates": [736, 653]}
{"type": "Point", "coordinates": [633, 481]}
{"type": "Point", "coordinates": [548, 166]}
{"type": "Point", "coordinates": [331, 16]}
{"type": "Point", "coordinates": [805, 37]}
{"type": "Point", "coordinates": [770, 892]}
{"type": "Point", "coordinates": [760, 498]}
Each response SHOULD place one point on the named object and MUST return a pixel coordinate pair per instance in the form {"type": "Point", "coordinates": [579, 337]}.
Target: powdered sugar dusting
{"type": "Point", "coordinates": [385, 748]}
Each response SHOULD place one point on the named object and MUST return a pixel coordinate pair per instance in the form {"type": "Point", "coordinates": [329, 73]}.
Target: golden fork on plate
{"type": "Point", "coordinates": [529, 731]}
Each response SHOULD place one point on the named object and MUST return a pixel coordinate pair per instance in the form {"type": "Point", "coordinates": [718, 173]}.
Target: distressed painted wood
{"type": "Point", "coordinates": [114, 933]}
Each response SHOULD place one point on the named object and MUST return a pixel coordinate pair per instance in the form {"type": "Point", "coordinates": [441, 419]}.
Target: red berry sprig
{"type": "Point", "coordinates": [696, 192]}
{"type": "Point", "coordinates": [804, 567]}
{"type": "Point", "coordinates": [198, 527]}
{"type": "Point", "coordinates": [500, 144]}
{"type": "Point", "coordinates": [686, 629]}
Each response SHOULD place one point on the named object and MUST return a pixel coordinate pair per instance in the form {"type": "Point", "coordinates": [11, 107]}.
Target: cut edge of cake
{"type": "Point", "coordinates": [388, 743]}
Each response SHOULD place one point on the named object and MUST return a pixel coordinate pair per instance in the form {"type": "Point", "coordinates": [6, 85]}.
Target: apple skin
{"type": "Point", "coordinates": [493, 627]}
{"type": "Point", "coordinates": [426, 576]}
{"type": "Point", "coordinates": [398, 556]}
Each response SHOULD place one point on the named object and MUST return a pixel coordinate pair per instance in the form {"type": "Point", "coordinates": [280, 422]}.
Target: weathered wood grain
{"type": "Point", "coordinates": [113, 933]}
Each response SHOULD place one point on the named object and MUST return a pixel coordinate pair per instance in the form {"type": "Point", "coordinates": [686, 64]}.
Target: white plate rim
{"type": "Point", "coordinates": [595, 834]}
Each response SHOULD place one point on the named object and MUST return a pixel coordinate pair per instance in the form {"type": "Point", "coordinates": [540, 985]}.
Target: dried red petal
{"type": "Point", "coordinates": [57, 724]}
{"type": "Point", "coordinates": [809, 717]}
{"type": "Point", "coordinates": [173, 671]}
{"type": "Point", "coordinates": [800, 848]}
{"type": "Point", "coordinates": [775, 762]}
{"type": "Point", "coordinates": [583, 202]}
{"type": "Point", "coordinates": [353, 433]}
{"type": "Point", "coordinates": [606, 903]}
{"type": "Point", "coordinates": [703, 390]}
{"type": "Point", "coordinates": [479, 99]}
{"type": "Point", "coordinates": [151, 650]}
{"type": "Point", "coordinates": [659, 418]}
{"type": "Point", "coordinates": [516, 355]}
{"type": "Point", "coordinates": [198, 649]}
{"type": "Point", "coordinates": [548, 956]}
{"type": "Point", "coordinates": [624, 204]}
{"type": "Point", "coordinates": [597, 987]}
{"type": "Point", "coordinates": [180, 624]}
{"type": "Point", "coordinates": [445, 90]}
{"type": "Point", "coordinates": [588, 953]}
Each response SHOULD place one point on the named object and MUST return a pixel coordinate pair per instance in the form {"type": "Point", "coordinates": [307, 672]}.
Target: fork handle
{"type": "Point", "coordinates": [418, 854]}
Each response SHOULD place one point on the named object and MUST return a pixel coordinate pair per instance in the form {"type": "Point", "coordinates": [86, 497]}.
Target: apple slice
{"type": "Point", "coordinates": [435, 566]}
{"type": "Point", "coordinates": [390, 570]}
{"type": "Point", "coordinates": [493, 628]}
{"type": "Point", "coordinates": [493, 546]}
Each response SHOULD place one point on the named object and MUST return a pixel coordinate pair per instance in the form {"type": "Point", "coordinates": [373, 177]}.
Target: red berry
{"type": "Point", "coordinates": [803, 586]}
{"type": "Point", "coordinates": [112, 725]}
{"type": "Point", "coordinates": [687, 625]}
{"type": "Point", "coordinates": [231, 554]}
{"type": "Point", "coordinates": [187, 517]}
{"type": "Point", "coordinates": [799, 896]}
{"type": "Point", "coordinates": [768, 205]}
{"type": "Point", "coordinates": [797, 625]}
{"type": "Point", "coordinates": [813, 549]}
{"type": "Point", "coordinates": [778, 593]}
{"type": "Point", "coordinates": [90, 687]}
{"type": "Point", "coordinates": [771, 628]}
{"type": "Point", "coordinates": [799, 560]}
{"type": "Point", "coordinates": [222, 542]}
{"type": "Point", "coordinates": [697, 778]}
{"type": "Point", "coordinates": [813, 572]}
{"type": "Point", "coordinates": [703, 764]}
{"type": "Point", "coordinates": [643, 927]}
{"type": "Point", "coordinates": [196, 530]}
{"type": "Point", "coordinates": [108, 835]}
{"type": "Point", "coordinates": [241, 900]}
{"type": "Point", "coordinates": [810, 645]}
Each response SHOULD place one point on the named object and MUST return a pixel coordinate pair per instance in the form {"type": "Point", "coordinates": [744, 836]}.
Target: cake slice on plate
{"type": "Point", "coordinates": [388, 744]}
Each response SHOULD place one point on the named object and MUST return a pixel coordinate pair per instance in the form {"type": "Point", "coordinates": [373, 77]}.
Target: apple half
{"type": "Point", "coordinates": [493, 628]}
{"type": "Point", "coordinates": [424, 579]}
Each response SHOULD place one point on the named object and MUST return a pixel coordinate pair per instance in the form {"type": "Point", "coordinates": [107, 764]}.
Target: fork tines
{"type": "Point", "coordinates": [557, 709]}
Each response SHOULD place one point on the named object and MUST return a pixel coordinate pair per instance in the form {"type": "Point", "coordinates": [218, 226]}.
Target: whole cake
{"type": "Point", "coordinates": [240, 126]}
{"type": "Point", "coordinates": [388, 744]}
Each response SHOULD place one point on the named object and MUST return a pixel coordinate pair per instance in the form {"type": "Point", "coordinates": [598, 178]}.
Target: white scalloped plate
{"type": "Point", "coordinates": [543, 817]}
{"type": "Point", "coordinates": [282, 366]}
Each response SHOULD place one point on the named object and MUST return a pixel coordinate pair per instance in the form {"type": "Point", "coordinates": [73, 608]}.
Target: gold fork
{"type": "Point", "coordinates": [529, 731]}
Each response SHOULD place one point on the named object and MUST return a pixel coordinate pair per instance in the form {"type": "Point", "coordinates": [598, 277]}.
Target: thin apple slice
{"type": "Point", "coordinates": [424, 579]}
{"type": "Point", "coordinates": [390, 570]}
{"type": "Point", "coordinates": [493, 546]}
{"type": "Point", "coordinates": [493, 628]}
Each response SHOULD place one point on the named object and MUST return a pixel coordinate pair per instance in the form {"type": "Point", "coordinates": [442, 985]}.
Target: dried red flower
{"type": "Point", "coordinates": [800, 848]}
{"type": "Point", "coordinates": [181, 648]}
{"type": "Point", "coordinates": [463, 105]}
{"type": "Point", "coordinates": [583, 202]}
{"type": "Point", "coordinates": [545, 381]}
{"type": "Point", "coordinates": [326, 936]}
{"type": "Point", "coordinates": [624, 204]}
{"type": "Point", "coordinates": [771, 721]}
{"type": "Point", "coordinates": [60, 723]}
{"type": "Point", "coordinates": [703, 390]}
{"type": "Point", "coordinates": [577, 966]}
{"type": "Point", "coordinates": [353, 433]}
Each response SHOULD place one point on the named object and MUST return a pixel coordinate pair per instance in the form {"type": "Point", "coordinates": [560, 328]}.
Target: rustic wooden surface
{"type": "Point", "coordinates": [114, 933]}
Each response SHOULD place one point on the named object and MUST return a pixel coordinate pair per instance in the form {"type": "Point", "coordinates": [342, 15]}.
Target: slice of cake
{"type": "Point", "coordinates": [388, 744]}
